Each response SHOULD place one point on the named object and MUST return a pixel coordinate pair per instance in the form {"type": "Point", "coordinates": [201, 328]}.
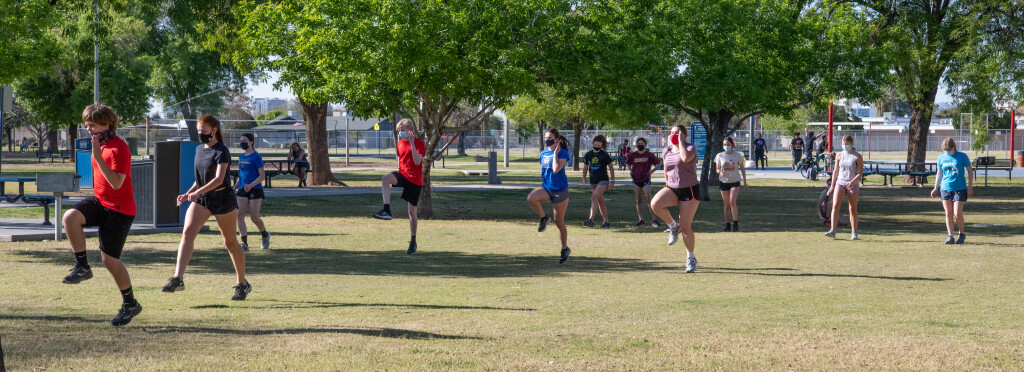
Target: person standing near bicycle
{"type": "Point", "coordinates": [846, 182]}
{"type": "Point", "coordinates": [796, 149]}
{"type": "Point", "coordinates": [809, 143]}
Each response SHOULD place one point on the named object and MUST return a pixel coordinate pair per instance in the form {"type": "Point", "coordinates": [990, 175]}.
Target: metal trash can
{"type": "Point", "coordinates": [1020, 159]}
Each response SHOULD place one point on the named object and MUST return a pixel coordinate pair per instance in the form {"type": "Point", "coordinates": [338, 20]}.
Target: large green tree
{"type": "Point", "coordinates": [418, 59]}
{"type": "Point", "coordinates": [25, 46]}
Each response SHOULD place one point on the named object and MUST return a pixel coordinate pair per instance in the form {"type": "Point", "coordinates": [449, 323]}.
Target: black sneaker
{"type": "Point", "coordinates": [589, 223]}
{"type": "Point", "coordinates": [606, 225]}
{"type": "Point", "coordinates": [412, 248]}
{"type": "Point", "coordinates": [383, 214]}
{"type": "Point", "coordinates": [565, 255]}
{"type": "Point", "coordinates": [174, 285]}
{"type": "Point", "coordinates": [78, 274]}
{"type": "Point", "coordinates": [950, 240]}
{"type": "Point", "coordinates": [728, 227]}
{"type": "Point", "coordinates": [543, 224]}
{"type": "Point", "coordinates": [241, 290]}
{"type": "Point", "coordinates": [655, 223]}
{"type": "Point", "coordinates": [640, 223]}
{"type": "Point", "coordinates": [960, 239]}
{"type": "Point", "coordinates": [125, 315]}
{"type": "Point", "coordinates": [735, 226]}
{"type": "Point", "coordinates": [245, 246]}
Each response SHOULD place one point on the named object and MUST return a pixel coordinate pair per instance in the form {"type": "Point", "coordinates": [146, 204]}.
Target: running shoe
{"type": "Point", "coordinates": [412, 248]}
{"type": "Point", "coordinates": [265, 243]}
{"type": "Point", "coordinates": [606, 225]}
{"type": "Point", "coordinates": [830, 234]}
{"type": "Point", "coordinates": [673, 235]}
{"type": "Point", "coordinates": [241, 290]}
{"type": "Point", "coordinates": [174, 285]}
{"type": "Point", "coordinates": [960, 239]}
{"type": "Point", "coordinates": [728, 227]}
{"type": "Point", "coordinates": [245, 246]}
{"type": "Point", "coordinates": [565, 255]}
{"type": "Point", "coordinates": [655, 223]}
{"type": "Point", "coordinates": [125, 315]}
{"type": "Point", "coordinates": [78, 274]}
{"type": "Point", "coordinates": [950, 240]}
{"type": "Point", "coordinates": [691, 265]}
{"type": "Point", "coordinates": [383, 214]}
{"type": "Point", "coordinates": [543, 224]}
{"type": "Point", "coordinates": [640, 223]}
{"type": "Point", "coordinates": [588, 223]}
{"type": "Point", "coordinates": [853, 236]}
{"type": "Point", "coordinates": [735, 226]}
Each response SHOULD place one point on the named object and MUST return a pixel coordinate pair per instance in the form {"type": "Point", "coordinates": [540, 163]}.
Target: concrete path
{"type": "Point", "coordinates": [17, 230]}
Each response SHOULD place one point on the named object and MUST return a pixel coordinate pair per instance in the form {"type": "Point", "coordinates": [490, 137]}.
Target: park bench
{"type": "Point", "coordinates": [62, 155]}
{"type": "Point", "coordinates": [987, 163]}
{"type": "Point", "coordinates": [277, 168]}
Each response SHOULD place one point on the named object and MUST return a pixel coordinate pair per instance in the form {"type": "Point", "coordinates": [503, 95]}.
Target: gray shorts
{"type": "Point", "coordinates": [558, 196]}
{"type": "Point", "coordinates": [600, 183]}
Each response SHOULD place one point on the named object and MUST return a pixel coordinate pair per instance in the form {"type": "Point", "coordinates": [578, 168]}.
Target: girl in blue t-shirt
{"type": "Point", "coordinates": [555, 186]}
{"type": "Point", "coordinates": [954, 180]}
{"type": "Point", "coordinates": [250, 190]}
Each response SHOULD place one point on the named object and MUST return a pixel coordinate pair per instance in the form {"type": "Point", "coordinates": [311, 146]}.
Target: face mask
{"type": "Point", "coordinates": [950, 153]}
{"type": "Point", "coordinates": [728, 148]}
{"type": "Point", "coordinates": [549, 143]}
{"type": "Point", "coordinates": [640, 147]}
{"type": "Point", "coordinates": [596, 148]}
{"type": "Point", "coordinates": [674, 139]}
{"type": "Point", "coordinates": [103, 136]}
{"type": "Point", "coordinates": [205, 138]}
{"type": "Point", "coordinates": [244, 145]}
{"type": "Point", "coordinates": [403, 135]}
{"type": "Point", "coordinates": [847, 148]}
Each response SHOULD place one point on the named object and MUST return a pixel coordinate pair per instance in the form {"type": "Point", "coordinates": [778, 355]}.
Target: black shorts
{"type": "Point", "coordinates": [958, 195]}
{"type": "Point", "coordinates": [113, 226]}
{"type": "Point", "coordinates": [642, 184]}
{"type": "Point", "coordinates": [410, 191]}
{"type": "Point", "coordinates": [301, 165]}
{"type": "Point", "coordinates": [254, 193]}
{"type": "Point", "coordinates": [687, 193]}
{"type": "Point", "coordinates": [218, 201]}
{"type": "Point", "coordinates": [728, 186]}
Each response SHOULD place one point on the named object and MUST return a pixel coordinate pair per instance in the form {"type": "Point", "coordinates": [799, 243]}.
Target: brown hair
{"type": "Point", "coordinates": [604, 141]}
{"type": "Point", "coordinates": [251, 138]}
{"type": "Point", "coordinates": [292, 152]}
{"type": "Point", "coordinates": [212, 122]}
{"type": "Point", "coordinates": [563, 142]}
{"type": "Point", "coordinates": [948, 144]}
{"type": "Point", "coordinates": [848, 138]}
{"type": "Point", "coordinates": [682, 128]}
{"type": "Point", "coordinates": [101, 114]}
{"type": "Point", "coordinates": [731, 141]}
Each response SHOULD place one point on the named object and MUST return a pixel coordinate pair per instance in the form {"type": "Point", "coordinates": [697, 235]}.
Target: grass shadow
{"type": "Point", "coordinates": [275, 304]}
{"type": "Point", "coordinates": [749, 271]}
{"type": "Point", "coordinates": [374, 332]}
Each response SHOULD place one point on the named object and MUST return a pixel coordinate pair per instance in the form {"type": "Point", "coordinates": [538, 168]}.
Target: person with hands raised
{"type": "Point", "coordinates": [682, 189]}
{"type": "Point", "coordinates": [554, 187]}
{"type": "Point", "coordinates": [409, 177]}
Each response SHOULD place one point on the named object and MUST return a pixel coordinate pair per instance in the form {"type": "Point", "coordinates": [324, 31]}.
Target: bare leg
{"type": "Point", "coordinates": [837, 204]}
{"type": "Point", "coordinates": [195, 218]}
{"type": "Point", "coordinates": [117, 270]}
{"type": "Point", "coordinates": [664, 199]}
{"type": "Point", "coordinates": [226, 223]}
{"type": "Point", "coordinates": [254, 214]}
{"type": "Point", "coordinates": [537, 196]}
{"type": "Point", "coordinates": [597, 202]}
{"type": "Point", "coordinates": [559, 212]}
{"type": "Point", "coordinates": [412, 218]}
{"type": "Point", "coordinates": [686, 212]}
{"type": "Point", "coordinates": [725, 205]}
{"type": "Point", "coordinates": [958, 211]}
{"type": "Point", "coordinates": [647, 201]}
{"type": "Point", "coordinates": [947, 205]}
{"type": "Point", "coordinates": [73, 227]}
{"type": "Point", "coordinates": [243, 206]}
{"type": "Point", "coordinates": [638, 194]}
{"type": "Point", "coordinates": [385, 186]}
{"type": "Point", "coordinates": [734, 195]}
{"type": "Point", "coordinates": [852, 200]}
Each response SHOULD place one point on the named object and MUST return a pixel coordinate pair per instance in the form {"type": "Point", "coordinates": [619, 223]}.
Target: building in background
{"type": "Point", "coordinates": [261, 105]}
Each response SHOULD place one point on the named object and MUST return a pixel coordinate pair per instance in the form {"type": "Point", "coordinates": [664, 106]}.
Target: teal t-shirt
{"type": "Point", "coordinates": [954, 173]}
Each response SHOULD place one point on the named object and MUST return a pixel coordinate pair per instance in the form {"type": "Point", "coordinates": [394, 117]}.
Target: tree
{"type": "Point", "coordinates": [417, 59]}
{"type": "Point", "coordinates": [24, 29]}
{"type": "Point", "coordinates": [269, 115]}
{"type": "Point", "coordinates": [958, 43]}
{"type": "Point", "coordinates": [237, 111]}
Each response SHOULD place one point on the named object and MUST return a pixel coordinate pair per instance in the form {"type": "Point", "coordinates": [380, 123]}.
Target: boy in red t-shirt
{"type": "Point", "coordinates": [409, 177]}
{"type": "Point", "coordinates": [112, 209]}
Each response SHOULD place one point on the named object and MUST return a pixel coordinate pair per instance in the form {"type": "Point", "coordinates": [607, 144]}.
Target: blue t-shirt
{"type": "Point", "coordinates": [954, 175]}
{"type": "Point", "coordinates": [553, 182]}
{"type": "Point", "coordinates": [248, 169]}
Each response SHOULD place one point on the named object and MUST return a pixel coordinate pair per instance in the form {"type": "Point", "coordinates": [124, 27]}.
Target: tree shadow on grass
{"type": "Point", "coordinates": [387, 263]}
{"type": "Point", "coordinates": [749, 271]}
{"type": "Point", "coordinates": [275, 304]}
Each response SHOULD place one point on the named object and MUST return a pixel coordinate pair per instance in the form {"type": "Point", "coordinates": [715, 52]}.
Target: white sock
{"type": "Point", "coordinates": [689, 255]}
{"type": "Point", "coordinates": [673, 225]}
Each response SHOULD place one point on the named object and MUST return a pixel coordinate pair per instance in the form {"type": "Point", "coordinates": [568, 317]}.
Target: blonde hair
{"type": "Point", "coordinates": [848, 138]}
{"type": "Point", "coordinates": [948, 144]}
{"type": "Point", "coordinates": [405, 123]}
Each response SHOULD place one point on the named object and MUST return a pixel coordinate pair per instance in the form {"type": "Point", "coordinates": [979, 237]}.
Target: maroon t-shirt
{"type": "Point", "coordinates": [642, 166]}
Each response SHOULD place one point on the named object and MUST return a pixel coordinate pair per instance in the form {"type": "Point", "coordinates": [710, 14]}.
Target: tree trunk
{"type": "Point", "coordinates": [10, 137]}
{"type": "Point", "coordinates": [541, 127]}
{"type": "Point", "coordinates": [577, 128]}
{"type": "Point", "coordinates": [426, 206]}
{"type": "Point", "coordinates": [72, 136]}
{"type": "Point", "coordinates": [462, 143]}
{"type": "Point", "coordinates": [190, 122]}
{"type": "Point", "coordinates": [719, 124]}
{"type": "Point", "coordinates": [315, 117]}
{"type": "Point", "coordinates": [51, 141]}
{"type": "Point", "coordinates": [920, 123]}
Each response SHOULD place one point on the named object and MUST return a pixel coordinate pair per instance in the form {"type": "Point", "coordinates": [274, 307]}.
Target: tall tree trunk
{"type": "Point", "coordinates": [577, 128]}
{"type": "Point", "coordinates": [425, 209]}
{"type": "Point", "coordinates": [51, 140]}
{"type": "Point", "coordinates": [542, 127]}
{"type": "Point", "coordinates": [920, 123]}
{"type": "Point", "coordinates": [315, 117]}
{"type": "Point", "coordinates": [72, 136]}
{"type": "Point", "coordinates": [9, 130]}
{"type": "Point", "coordinates": [190, 122]}
{"type": "Point", "coordinates": [719, 124]}
{"type": "Point", "coordinates": [462, 143]}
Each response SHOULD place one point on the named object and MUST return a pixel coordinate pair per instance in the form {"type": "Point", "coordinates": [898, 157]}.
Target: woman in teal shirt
{"type": "Point", "coordinates": [954, 180]}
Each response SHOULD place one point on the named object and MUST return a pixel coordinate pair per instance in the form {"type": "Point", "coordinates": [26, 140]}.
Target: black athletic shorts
{"type": "Point", "coordinates": [728, 186]}
{"type": "Point", "coordinates": [254, 193]}
{"type": "Point", "coordinates": [113, 226]}
{"type": "Point", "coordinates": [410, 191]}
{"type": "Point", "coordinates": [642, 184]}
{"type": "Point", "coordinates": [687, 193]}
{"type": "Point", "coordinates": [218, 201]}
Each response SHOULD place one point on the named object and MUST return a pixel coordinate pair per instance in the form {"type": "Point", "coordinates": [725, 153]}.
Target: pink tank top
{"type": "Point", "coordinates": [679, 175]}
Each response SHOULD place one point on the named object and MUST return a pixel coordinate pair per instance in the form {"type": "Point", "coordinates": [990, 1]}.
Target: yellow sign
{"type": "Point", "coordinates": [376, 126]}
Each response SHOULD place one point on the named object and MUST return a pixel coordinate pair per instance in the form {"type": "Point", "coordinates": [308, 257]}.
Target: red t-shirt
{"type": "Point", "coordinates": [409, 169]}
{"type": "Point", "coordinates": [116, 154]}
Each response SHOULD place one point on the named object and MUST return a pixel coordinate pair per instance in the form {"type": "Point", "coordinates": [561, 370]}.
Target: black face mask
{"type": "Point", "coordinates": [205, 138]}
{"type": "Point", "coordinates": [244, 145]}
{"type": "Point", "coordinates": [597, 148]}
{"type": "Point", "coordinates": [640, 147]}
{"type": "Point", "coordinates": [103, 136]}
{"type": "Point", "coordinates": [549, 142]}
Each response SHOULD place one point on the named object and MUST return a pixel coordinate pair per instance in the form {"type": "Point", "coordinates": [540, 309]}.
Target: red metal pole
{"type": "Point", "coordinates": [830, 126]}
{"type": "Point", "coordinates": [1013, 131]}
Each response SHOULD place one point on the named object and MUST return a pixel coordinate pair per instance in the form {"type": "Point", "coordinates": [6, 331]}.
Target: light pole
{"type": "Point", "coordinates": [95, 51]}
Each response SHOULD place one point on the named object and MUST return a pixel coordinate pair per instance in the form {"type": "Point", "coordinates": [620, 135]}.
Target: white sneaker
{"type": "Point", "coordinates": [673, 235]}
{"type": "Point", "coordinates": [853, 236]}
{"type": "Point", "coordinates": [830, 234]}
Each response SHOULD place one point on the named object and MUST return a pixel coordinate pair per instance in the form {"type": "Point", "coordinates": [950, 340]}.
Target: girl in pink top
{"type": "Point", "coordinates": [683, 189]}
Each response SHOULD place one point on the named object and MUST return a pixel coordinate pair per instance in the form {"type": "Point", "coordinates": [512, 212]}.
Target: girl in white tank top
{"type": "Point", "coordinates": [849, 169]}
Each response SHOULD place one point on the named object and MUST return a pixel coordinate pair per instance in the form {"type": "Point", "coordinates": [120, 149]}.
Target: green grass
{"type": "Point", "coordinates": [485, 292]}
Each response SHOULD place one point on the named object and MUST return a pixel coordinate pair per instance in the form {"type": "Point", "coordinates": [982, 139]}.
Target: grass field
{"type": "Point", "coordinates": [337, 292]}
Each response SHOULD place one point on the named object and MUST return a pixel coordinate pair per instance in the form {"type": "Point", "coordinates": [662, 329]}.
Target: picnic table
{"type": "Point", "coordinates": [43, 200]}
{"type": "Point", "coordinates": [271, 168]}
{"type": "Point", "coordinates": [890, 170]}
